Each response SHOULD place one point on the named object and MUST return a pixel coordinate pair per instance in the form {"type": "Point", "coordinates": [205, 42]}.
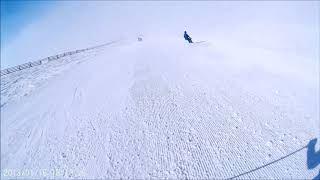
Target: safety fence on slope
{"type": "Point", "coordinates": [47, 59]}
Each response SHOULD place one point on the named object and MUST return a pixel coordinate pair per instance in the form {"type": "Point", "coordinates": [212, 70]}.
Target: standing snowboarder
{"type": "Point", "coordinates": [187, 37]}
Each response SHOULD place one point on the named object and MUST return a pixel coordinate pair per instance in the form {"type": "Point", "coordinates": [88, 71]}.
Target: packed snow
{"type": "Point", "coordinates": [163, 109]}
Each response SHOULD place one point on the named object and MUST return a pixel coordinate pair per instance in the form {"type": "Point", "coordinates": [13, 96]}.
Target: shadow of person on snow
{"type": "Point", "coordinates": [313, 157]}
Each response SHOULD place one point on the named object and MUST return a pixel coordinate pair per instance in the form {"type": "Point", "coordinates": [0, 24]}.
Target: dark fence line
{"type": "Point", "coordinates": [47, 59]}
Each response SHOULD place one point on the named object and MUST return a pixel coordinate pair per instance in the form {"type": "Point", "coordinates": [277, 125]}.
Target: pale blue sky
{"type": "Point", "coordinates": [31, 30]}
{"type": "Point", "coordinates": [15, 15]}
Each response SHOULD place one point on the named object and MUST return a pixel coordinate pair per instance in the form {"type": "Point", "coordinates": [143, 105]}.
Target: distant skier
{"type": "Point", "coordinates": [187, 37]}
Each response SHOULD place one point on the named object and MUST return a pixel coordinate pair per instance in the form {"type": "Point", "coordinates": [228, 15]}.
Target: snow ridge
{"type": "Point", "coordinates": [161, 109]}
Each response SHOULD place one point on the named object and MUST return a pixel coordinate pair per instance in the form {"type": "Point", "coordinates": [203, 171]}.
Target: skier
{"type": "Point", "coordinates": [187, 37]}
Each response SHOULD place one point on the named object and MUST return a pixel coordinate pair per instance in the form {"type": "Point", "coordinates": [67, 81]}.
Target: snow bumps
{"type": "Point", "coordinates": [159, 110]}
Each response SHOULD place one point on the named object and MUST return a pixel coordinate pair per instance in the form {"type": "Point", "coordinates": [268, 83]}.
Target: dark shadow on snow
{"type": "Point", "coordinates": [313, 159]}
{"type": "Point", "coordinates": [267, 164]}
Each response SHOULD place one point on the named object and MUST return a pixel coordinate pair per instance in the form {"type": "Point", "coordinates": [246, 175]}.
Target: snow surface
{"type": "Point", "coordinates": [162, 109]}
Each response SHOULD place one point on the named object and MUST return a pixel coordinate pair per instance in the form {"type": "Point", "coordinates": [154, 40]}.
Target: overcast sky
{"type": "Point", "coordinates": [34, 30]}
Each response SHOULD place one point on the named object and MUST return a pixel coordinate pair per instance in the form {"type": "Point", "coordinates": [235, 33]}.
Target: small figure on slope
{"type": "Point", "coordinates": [187, 37]}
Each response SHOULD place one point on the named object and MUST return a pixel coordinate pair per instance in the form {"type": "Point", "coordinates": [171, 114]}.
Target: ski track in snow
{"type": "Point", "coordinates": [138, 110]}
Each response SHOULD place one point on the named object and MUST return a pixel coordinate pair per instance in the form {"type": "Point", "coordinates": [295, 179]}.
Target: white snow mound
{"type": "Point", "coordinates": [162, 109]}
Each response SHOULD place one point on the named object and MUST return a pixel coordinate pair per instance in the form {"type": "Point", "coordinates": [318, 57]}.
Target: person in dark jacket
{"type": "Point", "coordinates": [187, 37]}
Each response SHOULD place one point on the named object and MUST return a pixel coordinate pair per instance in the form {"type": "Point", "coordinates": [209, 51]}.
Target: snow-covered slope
{"type": "Point", "coordinates": [163, 109]}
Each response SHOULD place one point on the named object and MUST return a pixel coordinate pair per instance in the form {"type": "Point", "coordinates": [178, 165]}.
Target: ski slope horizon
{"type": "Point", "coordinates": [163, 109]}
{"type": "Point", "coordinates": [284, 26]}
{"type": "Point", "coordinates": [241, 103]}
